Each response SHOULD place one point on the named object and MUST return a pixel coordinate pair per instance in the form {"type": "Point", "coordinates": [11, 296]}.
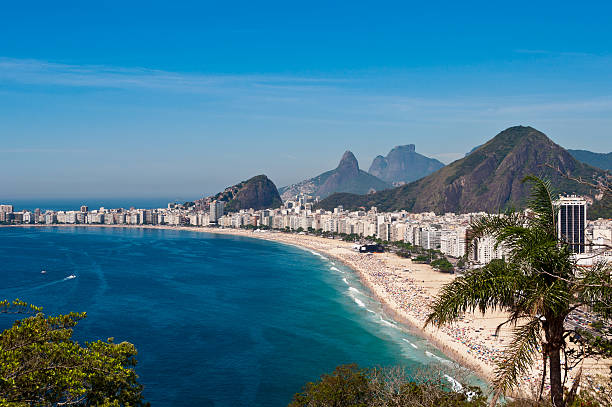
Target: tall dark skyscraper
{"type": "Point", "coordinates": [572, 221]}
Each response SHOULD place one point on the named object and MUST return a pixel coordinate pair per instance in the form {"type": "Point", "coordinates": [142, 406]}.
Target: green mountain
{"type": "Point", "coordinates": [599, 160]}
{"type": "Point", "coordinates": [256, 193]}
{"type": "Point", "coordinates": [488, 179]}
{"type": "Point", "coordinates": [347, 177]}
{"type": "Point", "coordinates": [403, 165]}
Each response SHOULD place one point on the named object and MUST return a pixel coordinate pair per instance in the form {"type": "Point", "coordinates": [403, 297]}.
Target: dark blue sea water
{"type": "Point", "coordinates": [218, 320]}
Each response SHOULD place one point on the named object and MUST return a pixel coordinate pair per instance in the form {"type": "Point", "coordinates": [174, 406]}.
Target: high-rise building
{"type": "Point", "coordinates": [84, 208]}
{"type": "Point", "coordinates": [572, 222]}
{"type": "Point", "coordinates": [216, 210]}
{"type": "Point", "coordinates": [6, 208]}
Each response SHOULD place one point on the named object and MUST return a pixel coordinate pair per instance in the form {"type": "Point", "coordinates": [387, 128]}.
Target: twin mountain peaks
{"type": "Point", "coordinates": [487, 179]}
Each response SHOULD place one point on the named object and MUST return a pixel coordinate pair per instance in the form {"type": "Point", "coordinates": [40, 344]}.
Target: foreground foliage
{"type": "Point", "coordinates": [40, 364]}
{"type": "Point", "coordinates": [351, 386]}
{"type": "Point", "coordinates": [539, 285]}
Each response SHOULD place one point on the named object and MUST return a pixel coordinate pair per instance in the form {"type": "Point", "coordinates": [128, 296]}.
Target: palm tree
{"type": "Point", "coordinates": [538, 284]}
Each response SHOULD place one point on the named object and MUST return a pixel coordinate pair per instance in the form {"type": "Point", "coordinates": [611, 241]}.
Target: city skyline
{"type": "Point", "coordinates": [192, 99]}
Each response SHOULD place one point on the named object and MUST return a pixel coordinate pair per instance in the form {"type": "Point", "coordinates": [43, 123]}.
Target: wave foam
{"type": "Point", "coordinates": [316, 253]}
{"type": "Point", "coordinates": [431, 355]}
{"type": "Point", "coordinates": [456, 386]}
{"type": "Point", "coordinates": [359, 302]}
{"type": "Point", "coordinates": [411, 344]}
{"type": "Point", "coordinates": [385, 322]}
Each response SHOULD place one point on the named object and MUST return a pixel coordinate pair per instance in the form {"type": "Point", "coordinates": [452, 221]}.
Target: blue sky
{"type": "Point", "coordinates": [149, 99]}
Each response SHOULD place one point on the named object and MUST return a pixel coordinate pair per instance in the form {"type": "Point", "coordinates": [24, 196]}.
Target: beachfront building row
{"type": "Point", "coordinates": [446, 233]}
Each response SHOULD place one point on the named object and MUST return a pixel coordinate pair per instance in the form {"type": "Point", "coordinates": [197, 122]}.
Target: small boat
{"type": "Point", "coordinates": [70, 277]}
{"type": "Point", "coordinates": [43, 271]}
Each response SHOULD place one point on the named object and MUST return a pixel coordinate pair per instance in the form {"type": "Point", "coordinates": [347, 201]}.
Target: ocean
{"type": "Point", "coordinates": [218, 320]}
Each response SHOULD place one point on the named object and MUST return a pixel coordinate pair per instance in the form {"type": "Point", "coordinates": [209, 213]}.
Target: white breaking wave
{"type": "Point", "coordinates": [411, 344]}
{"type": "Point", "coordinates": [353, 289]}
{"type": "Point", "coordinates": [385, 322]}
{"type": "Point", "coordinates": [345, 281]}
{"type": "Point", "coordinates": [316, 253]}
{"type": "Point", "coordinates": [359, 302]}
{"type": "Point", "coordinates": [333, 268]}
{"type": "Point", "coordinates": [455, 385]}
{"type": "Point", "coordinates": [431, 355]}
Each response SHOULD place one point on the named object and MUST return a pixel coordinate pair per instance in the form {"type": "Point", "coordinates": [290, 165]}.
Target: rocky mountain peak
{"type": "Point", "coordinates": [410, 148]}
{"type": "Point", "coordinates": [403, 164]}
{"type": "Point", "coordinates": [348, 160]}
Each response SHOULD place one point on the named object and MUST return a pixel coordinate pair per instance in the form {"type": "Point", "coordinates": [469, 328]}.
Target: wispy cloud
{"type": "Point", "coordinates": [41, 151]}
{"type": "Point", "coordinates": [36, 72]}
{"type": "Point", "coordinates": [554, 53]}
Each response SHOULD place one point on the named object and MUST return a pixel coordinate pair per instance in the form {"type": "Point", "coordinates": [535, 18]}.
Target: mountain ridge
{"type": "Point", "coordinates": [488, 179]}
{"type": "Point", "coordinates": [599, 160]}
{"type": "Point", "coordinates": [346, 177]}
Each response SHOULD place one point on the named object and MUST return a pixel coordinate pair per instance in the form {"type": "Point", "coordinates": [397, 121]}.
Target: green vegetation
{"type": "Point", "coordinates": [256, 193]}
{"type": "Point", "coordinates": [443, 265]}
{"type": "Point", "coordinates": [352, 386]}
{"type": "Point", "coordinates": [490, 179]}
{"type": "Point", "coordinates": [539, 285]}
{"type": "Point", "coordinates": [40, 364]}
{"type": "Point", "coordinates": [421, 258]}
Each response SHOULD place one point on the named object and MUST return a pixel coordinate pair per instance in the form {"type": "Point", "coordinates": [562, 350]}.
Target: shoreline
{"type": "Point", "coordinates": [404, 289]}
{"type": "Point", "coordinates": [412, 324]}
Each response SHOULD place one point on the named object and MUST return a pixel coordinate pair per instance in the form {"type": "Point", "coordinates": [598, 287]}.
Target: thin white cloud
{"type": "Point", "coordinates": [41, 151]}
{"type": "Point", "coordinates": [36, 72]}
{"type": "Point", "coordinates": [554, 53]}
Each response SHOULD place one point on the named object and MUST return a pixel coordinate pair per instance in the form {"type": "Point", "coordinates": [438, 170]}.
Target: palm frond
{"type": "Point", "coordinates": [490, 287]}
{"type": "Point", "coordinates": [520, 352]}
{"type": "Point", "coordinates": [494, 225]}
{"type": "Point", "coordinates": [541, 203]}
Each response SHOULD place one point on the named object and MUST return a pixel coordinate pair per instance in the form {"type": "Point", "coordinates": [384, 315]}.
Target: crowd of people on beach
{"type": "Point", "coordinates": [411, 299]}
{"type": "Point", "coordinates": [470, 340]}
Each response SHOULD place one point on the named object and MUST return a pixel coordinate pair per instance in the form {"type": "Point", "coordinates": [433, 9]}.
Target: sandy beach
{"type": "Point", "coordinates": [406, 290]}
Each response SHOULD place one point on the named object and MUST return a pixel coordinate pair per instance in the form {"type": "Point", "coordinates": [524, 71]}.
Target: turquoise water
{"type": "Point", "coordinates": [218, 320]}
